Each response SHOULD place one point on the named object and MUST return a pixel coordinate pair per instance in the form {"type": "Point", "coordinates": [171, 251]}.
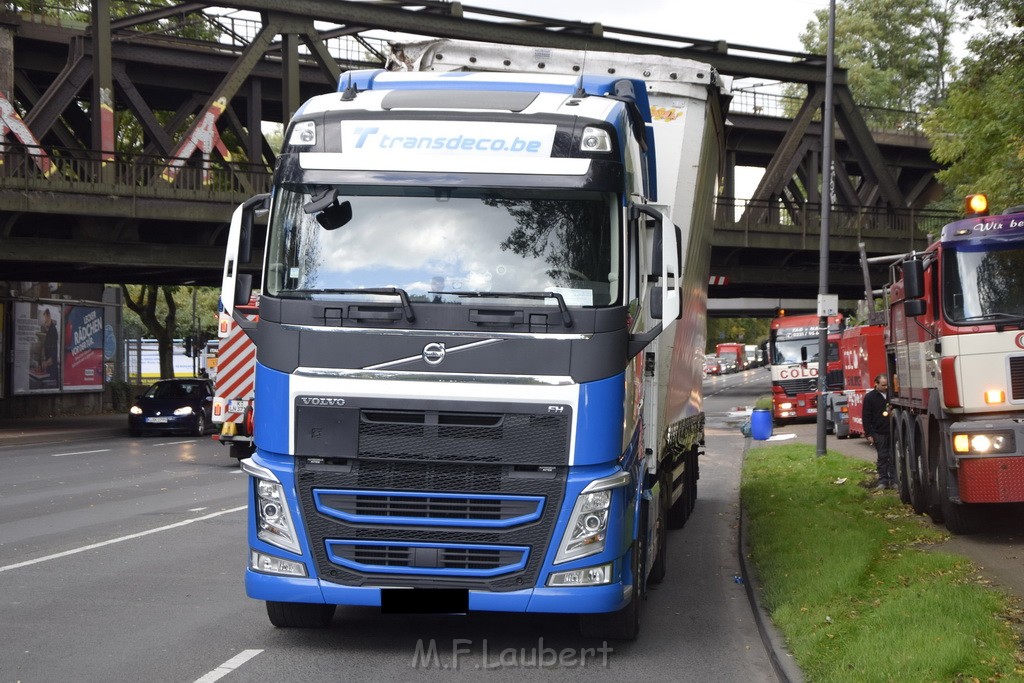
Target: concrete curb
{"type": "Point", "coordinates": [782, 660]}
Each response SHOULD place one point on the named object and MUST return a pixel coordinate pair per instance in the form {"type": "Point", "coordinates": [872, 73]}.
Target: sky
{"type": "Point", "coordinates": [758, 23]}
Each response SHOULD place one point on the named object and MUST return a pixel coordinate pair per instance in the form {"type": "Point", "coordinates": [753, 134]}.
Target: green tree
{"type": "Point", "coordinates": [165, 314]}
{"type": "Point", "coordinates": [896, 52]}
{"type": "Point", "coordinates": [741, 330]}
{"type": "Point", "coordinates": [978, 132]}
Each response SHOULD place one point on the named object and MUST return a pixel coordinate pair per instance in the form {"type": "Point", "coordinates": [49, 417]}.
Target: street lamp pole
{"type": "Point", "coordinates": [826, 216]}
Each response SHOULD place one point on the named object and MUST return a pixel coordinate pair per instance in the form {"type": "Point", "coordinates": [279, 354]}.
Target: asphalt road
{"type": "Point", "coordinates": [122, 559]}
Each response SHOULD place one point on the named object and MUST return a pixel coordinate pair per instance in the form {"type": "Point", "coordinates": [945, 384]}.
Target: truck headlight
{"type": "Point", "coordinates": [269, 564]}
{"type": "Point", "coordinates": [984, 443]}
{"type": "Point", "coordinates": [273, 521]}
{"type": "Point", "coordinates": [587, 530]}
{"type": "Point", "coordinates": [303, 134]}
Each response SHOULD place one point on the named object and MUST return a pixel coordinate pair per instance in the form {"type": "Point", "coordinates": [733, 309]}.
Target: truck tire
{"type": "Point", "coordinates": [899, 455]}
{"type": "Point", "coordinates": [299, 614]}
{"type": "Point", "coordinates": [659, 568]}
{"type": "Point", "coordinates": [624, 624]}
{"type": "Point", "coordinates": [916, 491]}
{"type": "Point", "coordinates": [961, 519]}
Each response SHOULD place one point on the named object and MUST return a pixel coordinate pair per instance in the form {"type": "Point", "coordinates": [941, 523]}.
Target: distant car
{"type": "Point", "coordinates": [728, 365]}
{"type": "Point", "coordinates": [173, 405]}
{"type": "Point", "coordinates": [712, 366]}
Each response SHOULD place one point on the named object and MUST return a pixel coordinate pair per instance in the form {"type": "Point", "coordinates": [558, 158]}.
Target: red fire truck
{"type": "Point", "coordinates": [793, 353]}
{"type": "Point", "coordinates": [862, 350]}
{"type": "Point", "coordinates": [956, 347]}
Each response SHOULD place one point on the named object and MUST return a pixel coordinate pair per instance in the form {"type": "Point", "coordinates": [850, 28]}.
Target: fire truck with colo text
{"type": "Point", "coordinates": [793, 354]}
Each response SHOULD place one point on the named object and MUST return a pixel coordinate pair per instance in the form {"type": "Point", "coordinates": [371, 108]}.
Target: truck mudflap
{"type": "Point", "coordinates": [574, 600]}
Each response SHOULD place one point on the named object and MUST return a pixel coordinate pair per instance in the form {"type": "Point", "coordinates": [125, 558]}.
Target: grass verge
{"type": "Point", "coordinates": [849, 580]}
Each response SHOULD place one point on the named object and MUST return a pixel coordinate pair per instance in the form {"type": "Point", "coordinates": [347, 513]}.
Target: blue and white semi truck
{"type": "Point", "coordinates": [480, 335]}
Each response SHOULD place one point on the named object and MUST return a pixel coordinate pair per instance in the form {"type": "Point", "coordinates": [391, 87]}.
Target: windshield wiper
{"type": "Point", "coordinates": [387, 291]}
{"type": "Point", "coordinates": [563, 309]}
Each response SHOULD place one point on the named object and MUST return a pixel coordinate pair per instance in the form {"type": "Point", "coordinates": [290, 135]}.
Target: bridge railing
{"type": "Point", "coordinates": [758, 216]}
{"type": "Point", "coordinates": [130, 175]}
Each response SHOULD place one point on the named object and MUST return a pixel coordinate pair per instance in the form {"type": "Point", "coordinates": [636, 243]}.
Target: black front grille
{"type": "Point", "coordinates": [491, 434]}
{"type": "Point", "coordinates": [464, 437]}
{"type": "Point", "coordinates": [792, 387]}
{"type": "Point", "coordinates": [1017, 378]}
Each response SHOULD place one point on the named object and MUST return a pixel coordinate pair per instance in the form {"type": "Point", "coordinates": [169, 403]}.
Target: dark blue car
{"type": "Point", "coordinates": [173, 405]}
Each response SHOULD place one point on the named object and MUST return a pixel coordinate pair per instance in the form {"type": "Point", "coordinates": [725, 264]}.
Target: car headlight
{"type": "Point", "coordinates": [587, 530]}
{"type": "Point", "coordinates": [135, 410]}
{"type": "Point", "coordinates": [984, 443]}
{"type": "Point", "coordinates": [185, 410]}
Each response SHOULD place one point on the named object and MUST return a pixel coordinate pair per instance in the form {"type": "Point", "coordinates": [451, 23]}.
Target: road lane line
{"type": "Point", "coordinates": [173, 443]}
{"type": "Point", "coordinates": [120, 539]}
{"type": "Point", "coordinates": [228, 666]}
{"type": "Point", "coordinates": [58, 455]}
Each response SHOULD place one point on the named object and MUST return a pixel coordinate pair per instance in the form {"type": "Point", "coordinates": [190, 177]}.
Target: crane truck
{"type": "Point", "coordinates": [480, 336]}
{"type": "Point", "coordinates": [955, 348]}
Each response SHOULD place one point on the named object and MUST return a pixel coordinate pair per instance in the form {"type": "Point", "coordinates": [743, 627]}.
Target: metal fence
{"type": "Point", "coordinates": [129, 175]}
{"type": "Point", "coordinates": [747, 215]}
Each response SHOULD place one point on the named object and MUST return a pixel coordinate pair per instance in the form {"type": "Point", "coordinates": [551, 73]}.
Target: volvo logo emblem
{"type": "Point", "coordinates": [433, 353]}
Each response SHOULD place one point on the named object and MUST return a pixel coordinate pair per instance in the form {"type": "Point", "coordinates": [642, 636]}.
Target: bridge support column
{"type": "Point", "coordinates": [7, 62]}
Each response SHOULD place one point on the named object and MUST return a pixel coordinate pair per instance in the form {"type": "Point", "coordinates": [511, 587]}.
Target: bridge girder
{"type": "Point", "coordinates": [168, 84]}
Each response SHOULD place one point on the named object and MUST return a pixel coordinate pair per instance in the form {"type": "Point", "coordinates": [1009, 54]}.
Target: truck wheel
{"type": "Point", "coordinates": [899, 455]}
{"type": "Point", "coordinates": [961, 519]}
{"type": "Point", "coordinates": [915, 473]}
{"type": "Point", "coordinates": [624, 624]}
{"type": "Point", "coordinates": [659, 568]}
{"type": "Point", "coordinates": [299, 614]}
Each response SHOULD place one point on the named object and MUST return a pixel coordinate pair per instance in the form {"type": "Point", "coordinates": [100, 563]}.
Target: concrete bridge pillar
{"type": "Point", "coordinates": [7, 61]}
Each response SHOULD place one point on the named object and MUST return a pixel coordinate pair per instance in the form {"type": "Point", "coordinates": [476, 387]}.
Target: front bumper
{"type": "Point", "coordinates": [574, 600]}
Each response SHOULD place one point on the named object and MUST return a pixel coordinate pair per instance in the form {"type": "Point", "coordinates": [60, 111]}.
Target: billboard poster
{"type": "Point", "coordinates": [83, 348]}
{"type": "Point", "coordinates": [37, 358]}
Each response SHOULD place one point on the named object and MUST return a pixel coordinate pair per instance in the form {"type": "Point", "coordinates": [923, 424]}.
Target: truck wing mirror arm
{"type": "Point", "coordinates": [639, 342]}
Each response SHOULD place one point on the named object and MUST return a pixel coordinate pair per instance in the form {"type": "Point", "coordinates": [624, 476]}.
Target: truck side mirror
{"type": "Point", "coordinates": [913, 278]}
{"type": "Point", "coordinates": [243, 289]}
{"type": "Point", "coordinates": [913, 308]}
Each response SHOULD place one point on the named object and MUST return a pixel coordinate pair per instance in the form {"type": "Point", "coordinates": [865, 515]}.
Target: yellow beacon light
{"type": "Point", "coordinates": [977, 205]}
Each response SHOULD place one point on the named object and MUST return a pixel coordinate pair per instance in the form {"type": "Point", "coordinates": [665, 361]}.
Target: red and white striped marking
{"type": "Point", "coordinates": [236, 371]}
{"type": "Point", "coordinates": [718, 280]}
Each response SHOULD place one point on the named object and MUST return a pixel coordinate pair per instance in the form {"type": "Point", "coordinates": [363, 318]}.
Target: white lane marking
{"type": "Point", "coordinates": [229, 666]}
{"type": "Point", "coordinates": [120, 539]}
{"type": "Point", "coordinates": [196, 509]}
{"type": "Point", "coordinates": [58, 455]}
{"type": "Point", "coordinates": [172, 443]}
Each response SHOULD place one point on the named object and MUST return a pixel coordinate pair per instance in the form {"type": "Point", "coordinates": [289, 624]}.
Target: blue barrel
{"type": "Point", "coordinates": [761, 424]}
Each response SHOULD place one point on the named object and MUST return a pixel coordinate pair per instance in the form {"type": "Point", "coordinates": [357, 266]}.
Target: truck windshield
{"type": "Point", "coordinates": [786, 351]}
{"type": "Point", "coordinates": [983, 282]}
{"type": "Point", "coordinates": [327, 241]}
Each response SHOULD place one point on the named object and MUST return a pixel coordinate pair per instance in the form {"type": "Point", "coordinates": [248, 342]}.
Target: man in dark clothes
{"type": "Point", "coordinates": [876, 428]}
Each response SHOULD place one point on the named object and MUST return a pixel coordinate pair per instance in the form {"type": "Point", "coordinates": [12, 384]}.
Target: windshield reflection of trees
{"type": "Point", "coordinates": [569, 235]}
{"type": "Point", "coordinates": [1001, 282]}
